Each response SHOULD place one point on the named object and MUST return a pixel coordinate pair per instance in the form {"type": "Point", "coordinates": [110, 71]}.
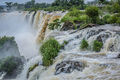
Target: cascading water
{"type": "Point", "coordinates": [100, 66]}
{"type": "Point", "coordinates": [14, 24]}
{"type": "Point", "coordinates": [33, 27]}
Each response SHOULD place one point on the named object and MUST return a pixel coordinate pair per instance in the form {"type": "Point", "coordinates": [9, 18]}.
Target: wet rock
{"type": "Point", "coordinates": [111, 48]}
{"type": "Point", "coordinates": [67, 26]}
{"type": "Point", "coordinates": [94, 32]}
{"type": "Point", "coordinates": [103, 37]}
{"type": "Point", "coordinates": [69, 66]}
{"type": "Point", "coordinates": [118, 56]}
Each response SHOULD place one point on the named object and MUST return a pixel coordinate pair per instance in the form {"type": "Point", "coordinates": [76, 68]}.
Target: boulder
{"type": "Point", "coordinates": [69, 66]}
{"type": "Point", "coordinates": [67, 26]}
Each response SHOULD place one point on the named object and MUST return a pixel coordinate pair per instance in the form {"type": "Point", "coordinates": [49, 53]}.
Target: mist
{"type": "Point", "coordinates": [14, 24]}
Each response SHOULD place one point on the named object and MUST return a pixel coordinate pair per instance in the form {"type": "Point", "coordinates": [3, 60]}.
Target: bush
{"type": "Point", "coordinates": [54, 25]}
{"type": "Point", "coordinates": [106, 18]}
{"type": "Point", "coordinates": [93, 13]}
{"type": "Point", "coordinates": [97, 45]}
{"type": "Point", "coordinates": [49, 51]}
{"type": "Point", "coordinates": [116, 8]}
{"type": "Point", "coordinates": [84, 44]}
{"type": "Point", "coordinates": [114, 18]}
{"type": "Point", "coordinates": [9, 64]}
{"type": "Point", "coordinates": [118, 21]}
{"type": "Point", "coordinates": [73, 15]}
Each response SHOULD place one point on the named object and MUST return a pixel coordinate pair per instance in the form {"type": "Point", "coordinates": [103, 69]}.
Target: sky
{"type": "Point", "coordinates": [22, 1]}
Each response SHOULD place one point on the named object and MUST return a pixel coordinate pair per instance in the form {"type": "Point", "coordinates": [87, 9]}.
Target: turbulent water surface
{"type": "Point", "coordinates": [30, 29]}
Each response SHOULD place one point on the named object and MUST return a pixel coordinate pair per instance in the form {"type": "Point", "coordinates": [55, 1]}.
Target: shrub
{"type": "Point", "coordinates": [106, 18]}
{"type": "Point", "coordinates": [75, 13]}
{"type": "Point", "coordinates": [84, 44]}
{"type": "Point", "coordinates": [9, 64]}
{"type": "Point", "coordinates": [116, 8]}
{"type": "Point", "coordinates": [118, 21]}
{"type": "Point", "coordinates": [49, 51]}
{"type": "Point", "coordinates": [114, 18]}
{"type": "Point", "coordinates": [93, 13]}
{"type": "Point", "coordinates": [82, 18]}
{"type": "Point", "coordinates": [97, 45]}
{"type": "Point", "coordinates": [55, 25]}
{"type": "Point", "coordinates": [100, 21]}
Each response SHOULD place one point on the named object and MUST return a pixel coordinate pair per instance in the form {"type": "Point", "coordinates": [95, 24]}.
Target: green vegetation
{"type": "Point", "coordinates": [114, 19]}
{"type": "Point", "coordinates": [67, 4]}
{"type": "Point", "coordinates": [84, 44]}
{"type": "Point", "coordinates": [106, 18]}
{"type": "Point", "coordinates": [9, 64]}
{"type": "Point", "coordinates": [76, 16]}
{"type": "Point", "coordinates": [115, 8]}
{"type": "Point", "coordinates": [97, 45]}
{"type": "Point", "coordinates": [55, 24]}
{"type": "Point", "coordinates": [31, 69]}
{"type": "Point", "coordinates": [73, 15]}
{"type": "Point", "coordinates": [5, 39]}
{"type": "Point", "coordinates": [49, 51]}
{"type": "Point", "coordinates": [93, 13]}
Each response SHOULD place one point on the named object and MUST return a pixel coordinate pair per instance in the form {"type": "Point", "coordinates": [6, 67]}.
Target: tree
{"type": "Point", "coordinates": [102, 1]}
{"type": "Point", "coordinates": [66, 4]}
{"type": "Point", "coordinates": [1, 8]}
{"type": "Point", "coordinates": [9, 4]}
{"type": "Point", "coordinates": [30, 4]}
{"type": "Point", "coordinates": [93, 13]}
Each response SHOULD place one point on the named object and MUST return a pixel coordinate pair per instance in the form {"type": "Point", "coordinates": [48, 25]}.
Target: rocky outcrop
{"type": "Point", "coordinates": [9, 48]}
{"type": "Point", "coordinates": [69, 66]}
{"type": "Point", "coordinates": [67, 26]}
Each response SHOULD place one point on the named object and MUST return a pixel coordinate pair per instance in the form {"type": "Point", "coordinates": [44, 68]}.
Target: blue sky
{"type": "Point", "coordinates": [22, 1]}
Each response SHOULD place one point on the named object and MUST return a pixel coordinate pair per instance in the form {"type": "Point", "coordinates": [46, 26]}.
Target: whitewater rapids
{"type": "Point", "coordinates": [100, 66]}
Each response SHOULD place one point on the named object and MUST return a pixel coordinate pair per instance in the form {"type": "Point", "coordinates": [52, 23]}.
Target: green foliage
{"type": "Point", "coordinates": [5, 39]}
{"type": "Point", "coordinates": [114, 19]}
{"type": "Point", "coordinates": [106, 18]}
{"type": "Point", "coordinates": [49, 51]}
{"type": "Point", "coordinates": [32, 67]}
{"type": "Point", "coordinates": [8, 64]}
{"type": "Point", "coordinates": [55, 24]}
{"type": "Point", "coordinates": [75, 15]}
{"type": "Point", "coordinates": [67, 4]}
{"type": "Point", "coordinates": [115, 8]}
{"type": "Point", "coordinates": [108, 8]}
{"type": "Point", "coordinates": [97, 45]}
{"type": "Point", "coordinates": [93, 13]}
{"type": "Point", "coordinates": [118, 21]}
{"type": "Point", "coordinates": [84, 44]}
{"type": "Point", "coordinates": [100, 21]}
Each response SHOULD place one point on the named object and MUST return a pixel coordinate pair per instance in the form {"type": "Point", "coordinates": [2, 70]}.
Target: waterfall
{"type": "Point", "coordinates": [31, 28]}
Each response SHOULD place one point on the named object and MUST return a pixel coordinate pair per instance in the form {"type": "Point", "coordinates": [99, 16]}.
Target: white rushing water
{"type": "Point", "coordinates": [101, 65]}
{"type": "Point", "coordinates": [14, 24]}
